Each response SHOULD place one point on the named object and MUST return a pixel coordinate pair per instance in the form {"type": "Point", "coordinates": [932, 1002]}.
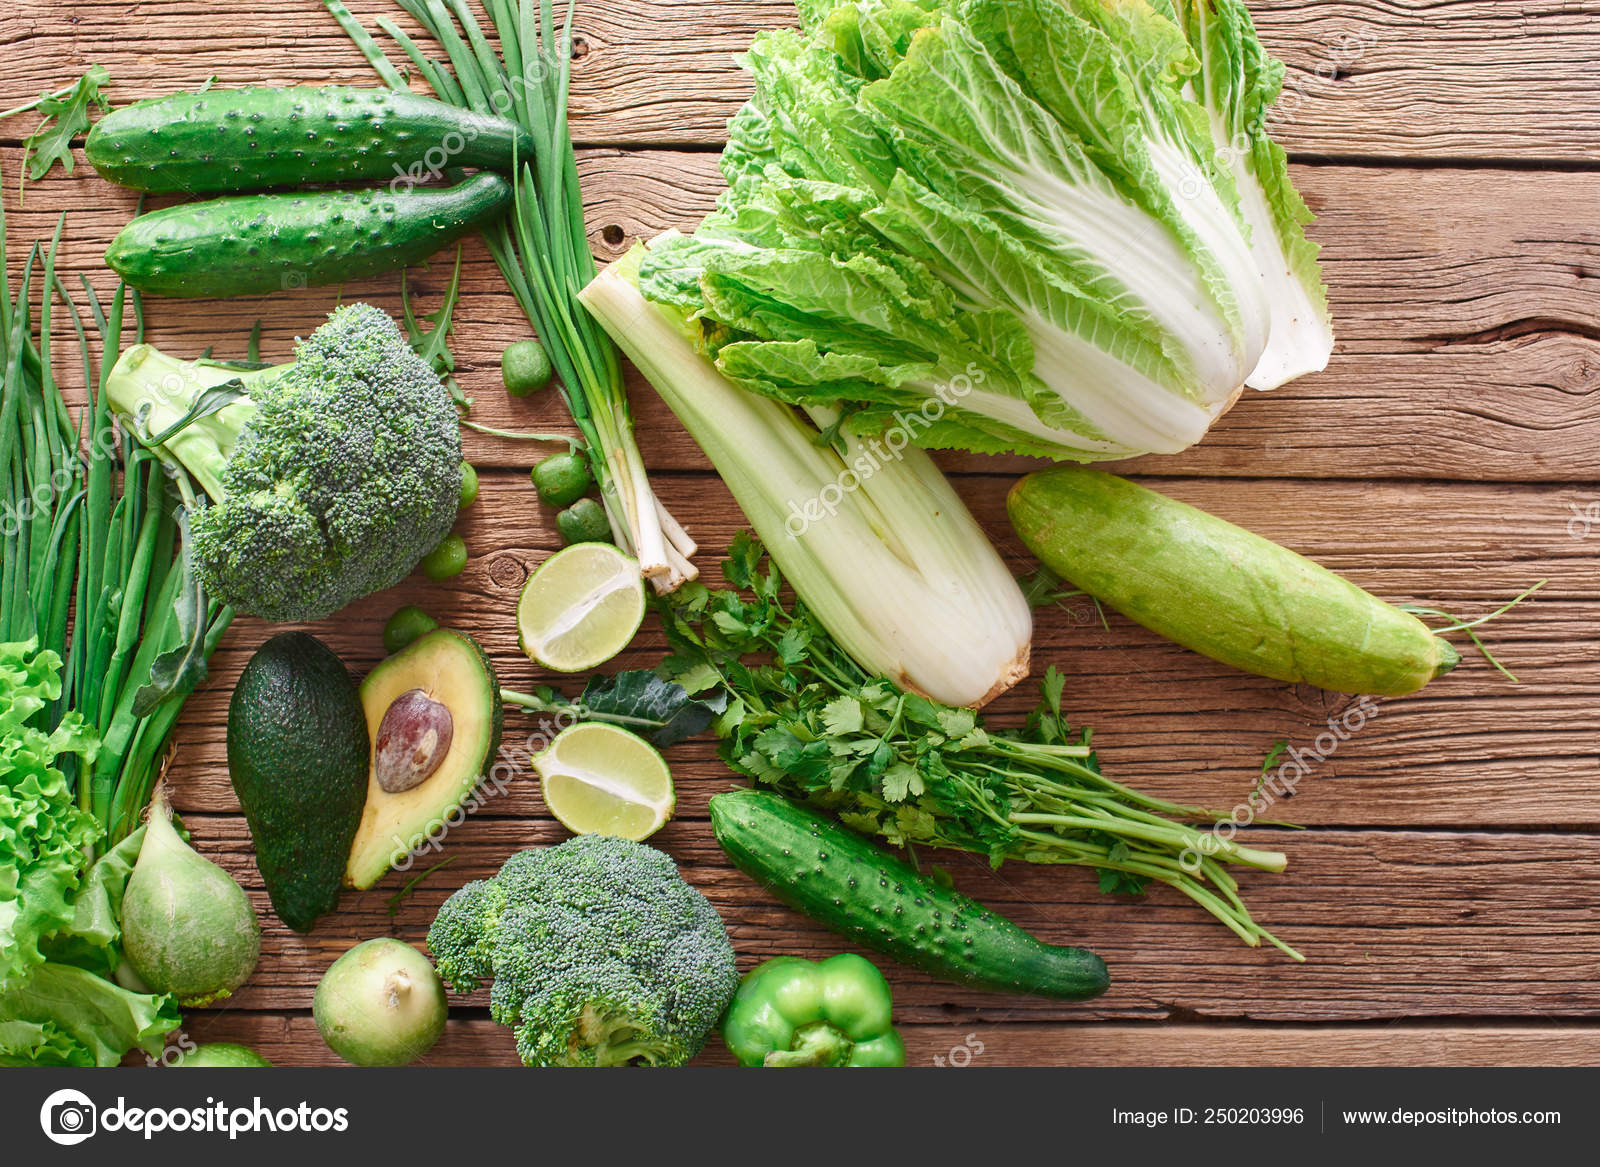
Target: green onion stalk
{"type": "Point", "coordinates": [542, 247]}
{"type": "Point", "coordinates": [93, 525]}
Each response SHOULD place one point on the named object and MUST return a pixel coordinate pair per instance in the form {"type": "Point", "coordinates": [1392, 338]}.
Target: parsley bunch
{"type": "Point", "coordinates": [803, 718]}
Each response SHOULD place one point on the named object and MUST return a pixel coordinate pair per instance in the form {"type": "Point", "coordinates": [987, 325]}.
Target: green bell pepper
{"type": "Point", "coordinates": [793, 1012]}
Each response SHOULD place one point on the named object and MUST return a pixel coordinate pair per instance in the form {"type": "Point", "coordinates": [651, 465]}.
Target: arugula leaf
{"type": "Point", "coordinates": [661, 710]}
{"type": "Point", "coordinates": [63, 115]}
{"type": "Point", "coordinates": [1277, 751]}
{"type": "Point", "coordinates": [212, 399]}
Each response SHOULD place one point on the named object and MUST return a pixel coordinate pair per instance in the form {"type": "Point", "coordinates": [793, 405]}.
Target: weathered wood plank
{"type": "Point", "coordinates": [1395, 924]}
{"type": "Point", "coordinates": [1469, 79]}
{"type": "Point", "coordinates": [1467, 306]}
{"type": "Point", "coordinates": [1470, 750]}
{"type": "Point", "coordinates": [292, 1040]}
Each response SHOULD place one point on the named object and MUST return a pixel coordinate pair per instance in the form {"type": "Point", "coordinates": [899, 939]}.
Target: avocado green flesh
{"type": "Point", "coordinates": [251, 244]}
{"type": "Point", "coordinates": [1220, 590]}
{"type": "Point", "coordinates": [449, 668]}
{"type": "Point", "coordinates": [298, 756]}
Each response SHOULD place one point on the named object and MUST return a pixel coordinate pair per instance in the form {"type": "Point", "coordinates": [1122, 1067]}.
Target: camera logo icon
{"type": "Point", "coordinates": [68, 1117]}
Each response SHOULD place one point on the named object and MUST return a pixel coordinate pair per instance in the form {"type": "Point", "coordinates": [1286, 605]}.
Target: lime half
{"type": "Point", "coordinates": [581, 607]}
{"type": "Point", "coordinates": [602, 780]}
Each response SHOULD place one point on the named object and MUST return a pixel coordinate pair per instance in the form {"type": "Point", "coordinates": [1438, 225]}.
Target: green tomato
{"type": "Point", "coordinates": [584, 522]}
{"type": "Point", "coordinates": [525, 368]}
{"type": "Point", "coordinates": [446, 560]}
{"type": "Point", "coordinates": [406, 625]}
{"type": "Point", "coordinates": [562, 479]}
{"type": "Point", "coordinates": [469, 486]}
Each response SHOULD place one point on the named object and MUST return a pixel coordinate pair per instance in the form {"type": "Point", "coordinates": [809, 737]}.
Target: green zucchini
{"type": "Point", "coordinates": [1220, 590]}
{"type": "Point", "coordinates": [247, 244]}
{"type": "Point", "coordinates": [226, 140]}
{"type": "Point", "coordinates": [842, 880]}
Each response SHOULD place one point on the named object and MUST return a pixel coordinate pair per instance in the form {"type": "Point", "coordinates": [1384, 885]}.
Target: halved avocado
{"type": "Point", "coordinates": [434, 719]}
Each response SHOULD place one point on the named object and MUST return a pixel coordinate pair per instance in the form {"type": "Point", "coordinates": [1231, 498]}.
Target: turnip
{"type": "Point", "coordinates": [187, 928]}
{"type": "Point", "coordinates": [380, 1004]}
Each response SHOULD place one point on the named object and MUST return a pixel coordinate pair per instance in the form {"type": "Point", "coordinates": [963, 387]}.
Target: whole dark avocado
{"type": "Point", "coordinates": [298, 755]}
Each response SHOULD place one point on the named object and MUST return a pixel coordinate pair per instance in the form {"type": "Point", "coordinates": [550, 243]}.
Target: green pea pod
{"type": "Point", "coordinates": [793, 1012]}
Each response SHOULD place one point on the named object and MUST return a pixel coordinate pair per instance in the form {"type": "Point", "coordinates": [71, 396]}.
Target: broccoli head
{"type": "Point", "coordinates": [601, 954]}
{"type": "Point", "coordinates": [328, 478]}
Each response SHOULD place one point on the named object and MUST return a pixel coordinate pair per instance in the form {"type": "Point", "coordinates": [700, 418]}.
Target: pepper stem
{"type": "Point", "coordinates": [817, 1044]}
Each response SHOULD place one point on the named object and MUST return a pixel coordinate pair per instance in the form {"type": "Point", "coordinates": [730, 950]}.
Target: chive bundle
{"type": "Point", "coordinates": [93, 534]}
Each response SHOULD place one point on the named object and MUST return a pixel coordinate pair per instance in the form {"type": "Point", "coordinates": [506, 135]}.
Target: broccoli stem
{"type": "Point", "coordinates": [152, 392]}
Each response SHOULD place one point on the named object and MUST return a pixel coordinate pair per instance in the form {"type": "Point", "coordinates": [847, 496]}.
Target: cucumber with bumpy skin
{"type": "Point", "coordinates": [249, 244]}
{"type": "Point", "coordinates": [257, 138]}
{"type": "Point", "coordinates": [1219, 590]}
{"type": "Point", "coordinates": [851, 885]}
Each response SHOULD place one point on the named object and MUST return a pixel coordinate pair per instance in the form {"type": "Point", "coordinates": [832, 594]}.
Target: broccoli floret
{"type": "Point", "coordinates": [329, 478]}
{"type": "Point", "coordinates": [601, 954]}
{"type": "Point", "coordinates": [462, 936]}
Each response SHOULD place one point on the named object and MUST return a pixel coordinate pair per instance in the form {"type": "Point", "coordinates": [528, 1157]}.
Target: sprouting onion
{"type": "Point", "coordinates": [542, 248]}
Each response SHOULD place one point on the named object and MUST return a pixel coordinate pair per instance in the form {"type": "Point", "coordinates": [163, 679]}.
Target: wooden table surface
{"type": "Point", "coordinates": [1446, 887]}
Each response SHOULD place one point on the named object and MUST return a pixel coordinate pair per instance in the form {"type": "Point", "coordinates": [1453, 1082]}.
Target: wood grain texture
{"type": "Point", "coordinates": [1445, 889]}
{"type": "Point", "coordinates": [1467, 304]}
{"type": "Point", "coordinates": [1394, 924]}
{"type": "Point", "coordinates": [477, 1041]}
{"type": "Point", "coordinates": [1473, 79]}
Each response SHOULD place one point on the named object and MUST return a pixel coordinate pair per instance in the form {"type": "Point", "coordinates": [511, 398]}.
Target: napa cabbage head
{"type": "Point", "coordinates": [1016, 187]}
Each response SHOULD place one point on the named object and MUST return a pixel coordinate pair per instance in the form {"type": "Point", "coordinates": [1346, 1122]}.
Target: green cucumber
{"type": "Point", "coordinates": [842, 880]}
{"type": "Point", "coordinates": [1220, 590]}
{"type": "Point", "coordinates": [254, 139]}
{"type": "Point", "coordinates": [248, 244]}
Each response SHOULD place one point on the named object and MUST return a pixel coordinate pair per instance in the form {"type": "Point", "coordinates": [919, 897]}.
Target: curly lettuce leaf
{"type": "Point", "coordinates": [94, 939]}
{"type": "Point", "coordinates": [62, 1015]}
{"type": "Point", "coordinates": [45, 839]}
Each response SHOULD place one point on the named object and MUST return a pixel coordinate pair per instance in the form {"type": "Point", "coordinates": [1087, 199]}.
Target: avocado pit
{"type": "Point", "coordinates": [413, 739]}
